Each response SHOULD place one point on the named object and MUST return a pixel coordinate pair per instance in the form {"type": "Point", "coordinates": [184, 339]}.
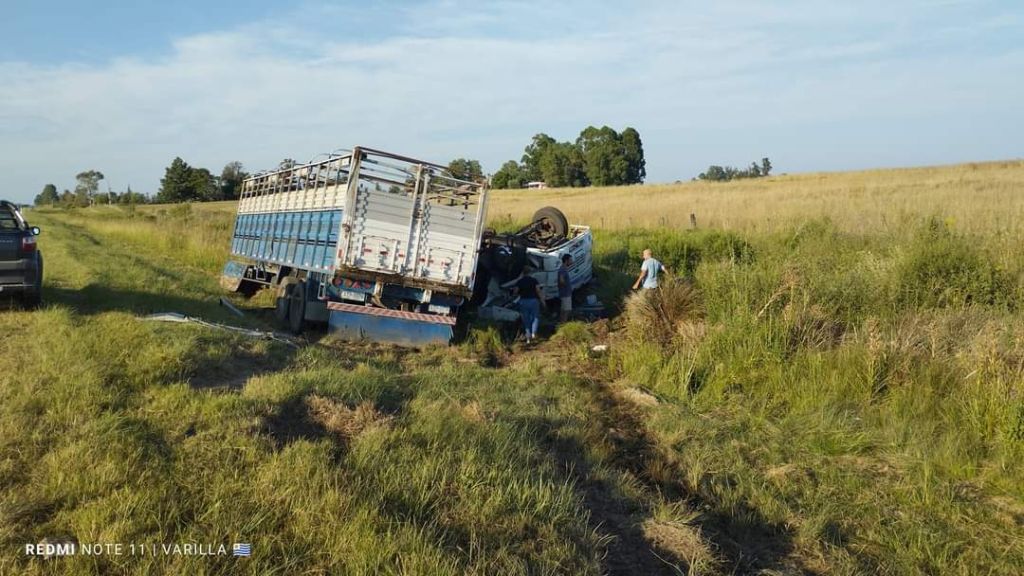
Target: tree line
{"type": "Point", "coordinates": [181, 183]}
{"type": "Point", "coordinates": [598, 157]}
{"type": "Point", "coordinates": [87, 192]}
{"type": "Point", "coordinates": [725, 173]}
{"type": "Point", "coordinates": [184, 183]}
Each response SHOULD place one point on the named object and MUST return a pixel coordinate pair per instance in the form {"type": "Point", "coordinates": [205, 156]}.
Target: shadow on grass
{"type": "Point", "coordinates": [611, 283]}
{"type": "Point", "coordinates": [292, 421]}
{"type": "Point", "coordinates": [612, 513]}
{"type": "Point", "coordinates": [98, 298]}
{"type": "Point", "coordinates": [230, 369]}
{"type": "Point", "coordinates": [749, 542]}
{"type": "Point", "coordinates": [213, 362]}
{"type": "Point", "coordinates": [746, 541]}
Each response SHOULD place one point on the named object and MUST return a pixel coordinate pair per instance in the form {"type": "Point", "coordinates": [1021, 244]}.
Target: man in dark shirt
{"type": "Point", "coordinates": [531, 300]}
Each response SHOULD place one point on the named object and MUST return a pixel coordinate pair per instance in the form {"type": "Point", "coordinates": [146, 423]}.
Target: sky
{"type": "Point", "coordinates": [125, 87]}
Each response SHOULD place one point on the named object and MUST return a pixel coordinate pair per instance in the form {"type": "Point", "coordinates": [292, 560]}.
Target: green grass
{"type": "Point", "coordinates": [117, 430]}
{"type": "Point", "coordinates": [825, 400]}
{"type": "Point", "coordinates": [864, 400]}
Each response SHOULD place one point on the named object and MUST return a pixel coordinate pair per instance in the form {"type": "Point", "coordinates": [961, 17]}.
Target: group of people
{"type": "Point", "coordinates": [532, 301]}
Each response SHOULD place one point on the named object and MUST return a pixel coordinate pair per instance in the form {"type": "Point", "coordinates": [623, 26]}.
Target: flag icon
{"type": "Point", "coordinates": [241, 549]}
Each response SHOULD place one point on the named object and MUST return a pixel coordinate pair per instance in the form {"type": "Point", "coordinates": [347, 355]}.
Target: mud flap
{"type": "Point", "coordinates": [232, 275]}
{"type": "Point", "coordinates": [407, 331]}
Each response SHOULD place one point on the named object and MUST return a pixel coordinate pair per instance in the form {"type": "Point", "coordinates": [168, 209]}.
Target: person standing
{"type": "Point", "coordinates": [565, 288]}
{"type": "Point", "coordinates": [531, 300]}
{"type": "Point", "coordinates": [649, 271]}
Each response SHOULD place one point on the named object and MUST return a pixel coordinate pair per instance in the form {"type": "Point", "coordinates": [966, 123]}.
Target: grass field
{"type": "Point", "coordinates": [981, 198]}
{"type": "Point", "coordinates": [834, 385]}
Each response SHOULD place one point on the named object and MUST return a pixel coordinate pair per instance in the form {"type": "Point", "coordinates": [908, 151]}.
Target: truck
{"type": "Point", "coordinates": [385, 247]}
{"type": "Point", "coordinates": [21, 262]}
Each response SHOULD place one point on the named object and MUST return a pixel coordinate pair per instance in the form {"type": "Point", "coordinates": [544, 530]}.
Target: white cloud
{"type": "Point", "coordinates": [481, 82]}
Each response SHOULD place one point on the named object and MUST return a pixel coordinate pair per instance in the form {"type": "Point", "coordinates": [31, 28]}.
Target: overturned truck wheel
{"type": "Point", "coordinates": [553, 222]}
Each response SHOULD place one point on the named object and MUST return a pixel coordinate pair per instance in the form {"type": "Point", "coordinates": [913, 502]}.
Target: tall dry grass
{"type": "Point", "coordinates": [980, 197]}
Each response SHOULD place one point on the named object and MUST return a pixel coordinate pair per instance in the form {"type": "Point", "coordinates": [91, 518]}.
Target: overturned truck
{"type": "Point", "coordinates": [388, 248]}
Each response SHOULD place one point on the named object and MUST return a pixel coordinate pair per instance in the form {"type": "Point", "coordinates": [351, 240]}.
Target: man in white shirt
{"type": "Point", "coordinates": [649, 271]}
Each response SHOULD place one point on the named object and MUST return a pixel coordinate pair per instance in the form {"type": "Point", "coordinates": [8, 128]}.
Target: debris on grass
{"type": "Point", "coordinates": [234, 310]}
{"type": "Point", "coordinates": [181, 318]}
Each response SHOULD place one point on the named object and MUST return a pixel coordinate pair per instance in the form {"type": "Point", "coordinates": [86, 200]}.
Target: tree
{"type": "Point", "coordinates": [603, 156]}
{"type": "Point", "coordinates": [231, 178]}
{"type": "Point", "coordinates": [88, 184]}
{"type": "Point", "coordinates": [67, 199]}
{"type": "Point", "coordinates": [81, 197]}
{"type": "Point", "coordinates": [203, 184]}
{"type": "Point", "coordinates": [286, 164]}
{"type": "Point", "coordinates": [532, 155]}
{"type": "Point", "coordinates": [464, 169]}
{"type": "Point", "coordinates": [131, 198]}
{"type": "Point", "coordinates": [562, 164]}
{"type": "Point", "coordinates": [510, 175]}
{"type": "Point", "coordinates": [177, 183]}
{"type": "Point", "coordinates": [633, 148]}
{"type": "Point", "coordinates": [103, 198]}
{"type": "Point", "coordinates": [599, 156]}
{"type": "Point", "coordinates": [48, 197]}
{"type": "Point", "coordinates": [766, 166]}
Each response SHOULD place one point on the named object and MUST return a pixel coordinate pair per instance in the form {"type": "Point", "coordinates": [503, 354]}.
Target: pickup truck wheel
{"type": "Point", "coordinates": [32, 300]}
{"type": "Point", "coordinates": [554, 221]}
{"type": "Point", "coordinates": [297, 307]}
{"type": "Point", "coordinates": [282, 305]}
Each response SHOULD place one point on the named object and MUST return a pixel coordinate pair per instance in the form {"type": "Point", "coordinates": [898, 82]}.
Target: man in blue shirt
{"type": "Point", "coordinates": [565, 288]}
{"type": "Point", "coordinates": [649, 271]}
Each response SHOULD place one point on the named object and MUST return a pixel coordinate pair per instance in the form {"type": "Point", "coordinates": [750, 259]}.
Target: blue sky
{"type": "Point", "coordinates": [815, 85]}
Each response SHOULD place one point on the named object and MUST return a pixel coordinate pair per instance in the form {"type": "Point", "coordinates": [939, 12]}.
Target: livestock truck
{"type": "Point", "coordinates": [384, 247]}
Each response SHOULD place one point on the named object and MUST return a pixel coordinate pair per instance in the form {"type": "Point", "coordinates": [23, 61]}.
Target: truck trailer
{"type": "Point", "coordinates": [384, 247]}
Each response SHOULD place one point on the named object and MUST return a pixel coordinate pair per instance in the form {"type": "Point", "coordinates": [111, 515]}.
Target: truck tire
{"type": "Point", "coordinates": [297, 307]}
{"type": "Point", "coordinates": [32, 299]}
{"type": "Point", "coordinates": [282, 304]}
{"type": "Point", "coordinates": [554, 221]}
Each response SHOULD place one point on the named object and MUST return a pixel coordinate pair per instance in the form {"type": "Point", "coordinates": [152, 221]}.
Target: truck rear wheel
{"type": "Point", "coordinates": [297, 307]}
{"type": "Point", "coordinates": [282, 304]}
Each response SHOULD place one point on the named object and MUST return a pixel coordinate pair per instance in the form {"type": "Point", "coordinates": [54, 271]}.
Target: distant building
{"type": "Point", "coordinates": [536, 185]}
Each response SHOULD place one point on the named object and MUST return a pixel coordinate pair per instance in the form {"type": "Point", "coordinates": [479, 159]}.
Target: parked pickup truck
{"type": "Point", "coordinates": [384, 247]}
{"type": "Point", "coordinates": [21, 263]}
